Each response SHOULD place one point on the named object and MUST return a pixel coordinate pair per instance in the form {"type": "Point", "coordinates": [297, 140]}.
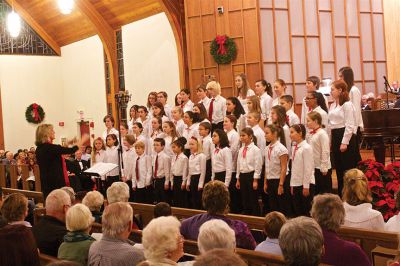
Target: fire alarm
{"type": "Point", "coordinates": [61, 124]}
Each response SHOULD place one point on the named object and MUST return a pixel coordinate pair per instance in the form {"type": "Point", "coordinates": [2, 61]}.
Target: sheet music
{"type": "Point", "coordinates": [101, 169]}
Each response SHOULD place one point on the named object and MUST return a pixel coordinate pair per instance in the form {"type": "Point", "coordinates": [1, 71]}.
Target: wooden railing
{"type": "Point", "coordinates": [12, 171]}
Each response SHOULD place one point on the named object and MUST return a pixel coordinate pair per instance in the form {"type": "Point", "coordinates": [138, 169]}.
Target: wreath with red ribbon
{"type": "Point", "coordinates": [223, 49]}
{"type": "Point", "coordinates": [34, 113]}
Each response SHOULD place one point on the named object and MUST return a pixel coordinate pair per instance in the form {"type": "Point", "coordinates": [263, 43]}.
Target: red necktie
{"type": "Point", "coordinates": [314, 131]}
{"type": "Point", "coordinates": [137, 169]}
{"type": "Point", "coordinates": [287, 119]}
{"type": "Point", "coordinates": [156, 167]}
{"type": "Point", "coordinates": [216, 151]}
{"type": "Point", "coordinates": [269, 152]}
{"type": "Point", "coordinates": [309, 109]}
{"type": "Point", "coordinates": [294, 152]}
{"type": "Point", "coordinates": [210, 110]}
{"type": "Point", "coordinates": [244, 151]}
{"type": "Point", "coordinates": [65, 172]}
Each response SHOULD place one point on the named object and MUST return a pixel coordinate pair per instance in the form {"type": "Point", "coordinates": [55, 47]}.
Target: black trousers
{"type": "Point", "coordinates": [236, 199]}
{"type": "Point", "coordinates": [179, 196]}
{"type": "Point", "coordinates": [344, 161]}
{"type": "Point", "coordinates": [159, 194]}
{"type": "Point", "coordinates": [323, 183]}
{"type": "Point", "coordinates": [141, 195]}
{"type": "Point", "coordinates": [249, 195]}
{"type": "Point", "coordinates": [301, 204]}
{"type": "Point", "coordinates": [208, 172]}
{"type": "Point", "coordinates": [110, 180]}
{"type": "Point", "coordinates": [219, 125]}
{"type": "Point", "coordinates": [220, 176]}
{"type": "Point", "coordinates": [281, 203]}
{"type": "Point", "coordinates": [195, 194]}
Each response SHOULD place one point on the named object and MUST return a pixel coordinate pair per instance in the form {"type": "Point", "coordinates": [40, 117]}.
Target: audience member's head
{"type": "Point", "coordinates": [117, 220]}
{"type": "Point", "coordinates": [9, 155]}
{"type": "Point", "coordinates": [79, 218]}
{"type": "Point", "coordinates": [219, 257]}
{"type": "Point", "coordinates": [273, 223]}
{"type": "Point", "coordinates": [162, 209]}
{"type": "Point", "coordinates": [57, 204]}
{"type": "Point", "coordinates": [71, 193]}
{"type": "Point", "coordinates": [15, 207]}
{"type": "Point", "coordinates": [118, 192]}
{"type": "Point", "coordinates": [355, 188]}
{"type": "Point", "coordinates": [216, 198]}
{"type": "Point", "coordinates": [162, 239]}
{"type": "Point", "coordinates": [214, 234]}
{"type": "Point", "coordinates": [301, 241]}
{"type": "Point", "coordinates": [93, 200]}
{"type": "Point", "coordinates": [328, 211]}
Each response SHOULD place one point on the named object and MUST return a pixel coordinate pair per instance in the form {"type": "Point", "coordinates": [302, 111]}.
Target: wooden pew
{"type": "Point", "coordinates": [46, 259]}
{"type": "Point", "coordinates": [37, 196]}
{"type": "Point", "coordinates": [13, 170]}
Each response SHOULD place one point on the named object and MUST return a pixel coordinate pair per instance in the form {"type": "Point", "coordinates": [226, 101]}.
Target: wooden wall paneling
{"type": "Point", "coordinates": [1, 125]}
{"type": "Point", "coordinates": [333, 38]}
{"type": "Point", "coordinates": [357, 14]}
{"type": "Point", "coordinates": [275, 37]}
{"type": "Point", "coordinates": [251, 36]}
{"type": "Point", "coordinates": [324, 5]}
{"type": "Point", "coordinates": [313, 57]}
{"type": "Point", "coordinates": [291, 52]}
{"type": "Point", "coordinates": [299, 59]}
{"type": "Point", "coordinates": [392, 37]}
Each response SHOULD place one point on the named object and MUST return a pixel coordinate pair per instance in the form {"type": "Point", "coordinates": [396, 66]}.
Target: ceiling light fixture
{"type": "Point", "coordinates": [66, 6]}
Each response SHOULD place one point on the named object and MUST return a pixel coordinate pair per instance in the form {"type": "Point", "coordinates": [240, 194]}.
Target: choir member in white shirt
{"type": "Point", "coordinates": [187, 104]}
{"type": "Point", "coordinates": [343, 128]}
{"type": "Point", "coordinates": [191, 121]}
{"type": "Point", "coordinates": [124, 130]}
{"type": "Point", "coordinates": [200, 110]}
{"type": "Point", "coordinates": [137, 130]}
{"type": "Point", "coordinates": [161, 165]}
{"type": "Point", "coordinates": [248, 171]}
{"type": "Point", "coordinates": [201, 92]}
{"type": "Point", "coordinates": [263, 90]}
{"type": "Point", "coordinates": [243, 89]}
{"type": "Point", "coordinates": [207, 147]}
{"type": "Point", "coordinates": [141, 178]}
{"type": "Point", "coordinates": [151, 99]}
{"type": "Point", "coordinates": [217, 108]}
{"type": "Point", "coordinates": [302, 180]}
{"type": "Point", "coordinates": [254, 105]}
{"type": "Point", "coordinates": [278, 118]}
{"type": "Point", "coordinates": [221, 158]}
{"type": "Point", "coordinates": [234, 144]}
{"type": "Point", "coordinates": [144, 119]}
{"type": "Point", "coordinates": [319, 141]}
{"type": "Point", "coordinates": [128, 158]}
{"type": "Point", "coordinates": [170, 135]}
{"type": "Point", "coordinates": [156, 132]}
{"type": "Point", "coordinates": [234, 107]}
{"type": "Point", "coordinates": [109, 123]}
{"type": "Point", "coordinates": [287, 102]}
{"type": "Point", "coordinates": [312, 85]}
{"type": "Point", "coordinates": [197, 172]}
{"type": "Point", "coordinates": [177, 115]}
{"type": "Point", "coordinates": [133, 115]}
{"type": "Point", "coordinates": [111, 156]}
{"type": "Point", "coordinates": [315, 102]}
{"type": "Point", "coordinates": [253, 120]}
{"type": "Point", "coordinates": [159, 112]}
{"type": "Point", "coordinates": [179, 172]}
{"type": "Point", "coordinates": [280, 90]}
{"type": "Point", "coordinates": [276, 182]}
{"type": "Point", "coordinates": [99, 156]}
{"type": "Point", "coordinates": [162, 97]}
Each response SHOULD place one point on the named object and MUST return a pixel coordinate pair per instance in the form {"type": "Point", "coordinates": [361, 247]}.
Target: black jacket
{"type": "Point", "coordinates": [49, 234]}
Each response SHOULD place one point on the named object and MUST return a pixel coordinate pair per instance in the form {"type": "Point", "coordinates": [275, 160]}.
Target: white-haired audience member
{"type": "Point", "coordinates": [219, 257]}
{"type": "Point", "coordinates": [302, 242]}
{"type": "Point", "coordinates": [114, 248]}
{"type": "Point", "coordinates": [71, 193]}
{"type": "Point", "coordinates": [162, 242]}
{"type": "Point", "coordinates": [49, 232]}
{"type": "Point", "coordinates": [328, 211]}
{"type": "Point", "coordinates": [216, 234]}
{"type": "Point", "coordinates": [94, 201]}
{"type": "Point", "coordinates": [272, 227]}
{"type": "Point", "coordinates": [77, 241]}
{"type": "Point", "coordinates": [118, 192]}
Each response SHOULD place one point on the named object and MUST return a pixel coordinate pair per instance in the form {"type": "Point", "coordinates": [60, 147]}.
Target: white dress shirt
{"type": "Point", "coordinates": [241, 123]}
{"type": "Point", "coordinates": [219, 109]}
{"type": "Point", "coordinates": [266, 105]}
{"type": "Point", "coordinates": [206, 102]}
{"type": "Point", "coordinates": [260, 135]}
{"type": "Point", "coordinates": [355, 98]}
{"type": "Point", "coordinates": [188, 106]}
{"type": "Point", "coordinates": [150, 140]}
{"type": "Point", "coordinates": [221, 160]}
{"type": "Point", "coordinates": [343, 117]}
{"type": "Point", "coordinates": [288, 141]}
{"type": "Point", "coordinates": [180, 127]}
{"type": "Point", "coordinates": [144, 178]}
{"type": "Point", "coordinates": [197, 166]}
{"type": "Point", "coordinates": [324, 116]}
{"type": "Point", "coordinates": [234, 144]}
{"type": "Point", "coordinates": [272, 155]}
{"type": "Point", "coordinates": [146, 125]}
{"type": "Point", "coordinates": [99, 157]}
{"type": "Point", "coordinates": [302, 166]}
{"type": "Point", "coordinates": [163, 166]}
{"type": "Point", "coordinates": [189, 132]}
{"type": "Point", "coordinates": [128, 158]}
{"type": "Point", "coordinates": [143, 138]}
{"type": "Point", "coordinates": [179, 167]}
{"type": "Point", "coordinates": [274, 103]}
{"type": "Point", "coordinates": [319, 142]}
{"type": "Point", "coordinates": [167, 148]}
{"type": "Point", "coordinates": [293, 118]}
{"type": "Point", "coordinates": [111, 156]}
{"type": "Point", "coordinates": [393, 224]}
{"type": "Point", "coordinates": [363, 216]}
{"type": "Point", "coordinates": [243, 101]}
{"type": "Point", "coordinates": [249, 161]}
{"type": "Point", "coordinates": [305, 110]}
{"type": "Point", "coordinates": [167, 110]}
{"type": "Point", "coordinates": [208, 146]}
{"type": "Point", "coordinates": [112, 131]}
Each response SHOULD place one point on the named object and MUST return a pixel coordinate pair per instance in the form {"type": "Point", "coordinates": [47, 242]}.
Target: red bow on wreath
{"type": "Point", "coordinates": [221, 39]}
{"type": "Point", "coordinates": [35, 112]}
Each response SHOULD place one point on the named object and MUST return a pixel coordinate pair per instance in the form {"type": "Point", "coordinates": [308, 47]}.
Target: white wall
{"type": "Point", "coordinates": [150, 58]}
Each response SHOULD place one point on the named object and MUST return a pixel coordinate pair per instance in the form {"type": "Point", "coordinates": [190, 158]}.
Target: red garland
{"type": "Point", "coordinates": [221, 39]}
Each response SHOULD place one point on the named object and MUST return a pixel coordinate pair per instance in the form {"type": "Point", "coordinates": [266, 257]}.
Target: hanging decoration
{"type": "Point", "coordinates": [34, 113]}
{"type": "Point", "coordinates": [223, 49]}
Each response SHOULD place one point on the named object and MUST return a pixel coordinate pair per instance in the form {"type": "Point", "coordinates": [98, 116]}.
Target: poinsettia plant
{"type": "Point", "coordinates": [384, 182]}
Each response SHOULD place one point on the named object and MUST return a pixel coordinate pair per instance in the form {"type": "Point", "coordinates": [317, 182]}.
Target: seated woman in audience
{"type": "Point", "coordinates": [328, 211]}
{"type": "Point", "coordinates": [357, 202]}
{"type": "Point", "coordinates": [15, 209]}
{"type": "Point", "coordinates": [77, 241]}
{"type": "Point", "coordinates": [272, 227]}
{"type": "Point", "coordinates": [219, 257]}
{"type": "Point", "coordinates": [94, 201]}
{"type": "Point", "coordinates": [394, 223]}
{"type": "Point", "coordinates": [216, 200]}
{"type": "Point", "coordinates": [162, 242]}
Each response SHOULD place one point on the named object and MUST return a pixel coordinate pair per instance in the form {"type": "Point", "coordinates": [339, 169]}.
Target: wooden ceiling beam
{"type": "Point", "coordinates": [35, 26]}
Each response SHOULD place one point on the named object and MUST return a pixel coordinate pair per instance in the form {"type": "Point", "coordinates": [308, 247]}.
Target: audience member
{"type": "Point", "coordinates": [393, 224]}
{"type": "Point", "coordinates": [118, 192]}
{"type": "Point", "coordinates": [71, 193]}
{"type": "Point", "coordinates": [2, 154]}
{"type": "Point", "coordinates": [216, 201]}
{"type": "Point", "coordinates": [219, 257]}
{"type": "Point", "coordinates": [302, 242]}
{"type": "Point", "coordinates": [49, 232]}
{"type": "Point", "coordinates": [9, 158]}
{"type": "Point", "coordinates": [114, 248]}
{"type": "Point", "coordinates": [94, 201]}
{"type": "Point", "coordinates": [357, 203]}
{"type": "Point", "coordinates": [77, 241]}
{"type": "Point", "coordinates": [328, 211]}
{"type": "Point", "coordinates": [162, 209]}
{"type": "Point", "coordinates": [216, 234]}
{"type": "Point", "coordinates": [272, 227]}
{"type": "Point", "coordinates": [15, 209]}
{"type": "Point", "coordinates": [162, 242]}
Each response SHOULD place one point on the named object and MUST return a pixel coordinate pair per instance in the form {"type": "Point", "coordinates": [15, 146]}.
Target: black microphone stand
{"type": "Point", "coordinates": [387, 88]}
{"type": "Point", "coordinates": [121, 98]}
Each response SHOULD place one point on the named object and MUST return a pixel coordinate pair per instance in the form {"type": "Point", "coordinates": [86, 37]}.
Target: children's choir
{"type": "Point", "coordinates": [253, 143]}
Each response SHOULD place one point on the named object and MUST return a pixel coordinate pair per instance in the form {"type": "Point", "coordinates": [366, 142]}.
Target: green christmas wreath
{"type": "Point", "coordinates": [34, 113]}
{"type": "Point", "coordinates": [223, 49]}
